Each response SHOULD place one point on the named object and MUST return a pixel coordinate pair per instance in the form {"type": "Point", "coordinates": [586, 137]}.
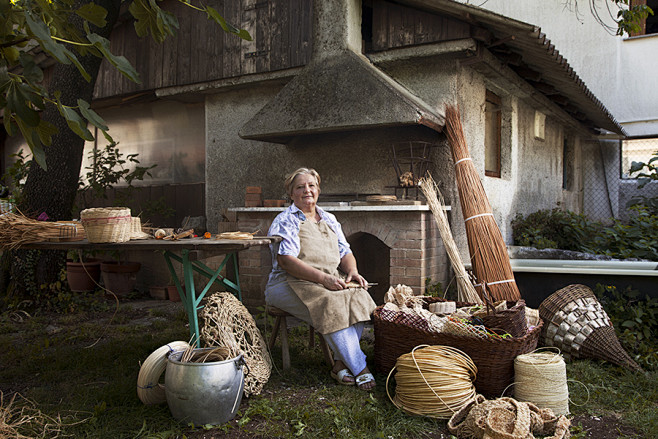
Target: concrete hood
{"type": "Point", "coordinates": [343, 92]}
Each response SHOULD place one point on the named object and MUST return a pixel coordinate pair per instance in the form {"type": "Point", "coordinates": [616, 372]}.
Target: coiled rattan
{"type": "Point", "coordinates": [433, 381]}
{"type": "Point", "coordinates": [149, 390]}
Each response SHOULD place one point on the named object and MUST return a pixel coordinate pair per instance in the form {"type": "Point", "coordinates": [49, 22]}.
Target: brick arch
{"type": "Point", "coordinates": [374, 227]}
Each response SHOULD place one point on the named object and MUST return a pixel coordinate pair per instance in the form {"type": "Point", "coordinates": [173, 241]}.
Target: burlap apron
{"type": "Point", "coordinates": [330, 311]}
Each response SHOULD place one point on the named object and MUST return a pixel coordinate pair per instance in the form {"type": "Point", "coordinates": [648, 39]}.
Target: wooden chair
{"type": "Point", "coordinates": [281, 326]}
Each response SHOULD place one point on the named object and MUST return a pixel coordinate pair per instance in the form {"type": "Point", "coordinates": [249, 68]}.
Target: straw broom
{"type": "Point", "coordinates": [486, 246]}
{"type": "Point", "coordinates": [465, 290]}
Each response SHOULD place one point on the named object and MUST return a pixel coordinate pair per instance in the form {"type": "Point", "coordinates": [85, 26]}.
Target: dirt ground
{"type": "Point", "coordinates": [594, 427]}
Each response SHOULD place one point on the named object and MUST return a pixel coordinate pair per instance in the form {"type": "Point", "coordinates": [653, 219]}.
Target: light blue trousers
{"type": "Point", "coordinates": [344, 343]}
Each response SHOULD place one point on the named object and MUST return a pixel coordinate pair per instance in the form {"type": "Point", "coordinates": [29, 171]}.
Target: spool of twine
{"type": "Point", "coordinates": [541, 378]}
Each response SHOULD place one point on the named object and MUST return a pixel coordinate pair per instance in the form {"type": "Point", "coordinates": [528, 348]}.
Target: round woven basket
{"type": "Point", "coordinates": [106, 224]}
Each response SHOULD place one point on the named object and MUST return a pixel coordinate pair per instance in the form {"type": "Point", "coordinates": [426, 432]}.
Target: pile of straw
{"type": "Point", "coordinates": [465, 290]}
{"type": "Point", "coordinates": [487, 248]}
{"type": "Point", "coordinates": [20, 419]}
{"type": "Point", "coordinates": [16, 229]}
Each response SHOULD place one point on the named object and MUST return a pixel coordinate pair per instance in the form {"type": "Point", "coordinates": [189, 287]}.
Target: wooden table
{"type": "Point", "coordinates": [189, 252]}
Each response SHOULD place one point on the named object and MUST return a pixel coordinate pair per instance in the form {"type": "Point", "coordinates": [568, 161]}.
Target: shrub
{"type": "Point", "coordinates": [554, 228]}
{"type": "Point", "coordinates": [637, 239]}
{"type": "Point", "coordinates": [566, 230]}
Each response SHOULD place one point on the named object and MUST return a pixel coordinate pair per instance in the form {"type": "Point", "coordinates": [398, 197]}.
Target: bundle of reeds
{"type": "Point", "coordinates": [465, 290]}
{"type": "Point", "coordinates": [16, 229]}
{"type": "Point", "coordinates": [486, 246]}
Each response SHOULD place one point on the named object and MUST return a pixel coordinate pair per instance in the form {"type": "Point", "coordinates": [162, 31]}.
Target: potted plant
{"type": "Point", "coordinates": [82, 273]}
{"type": "Point", "coordinates": [119, 276]}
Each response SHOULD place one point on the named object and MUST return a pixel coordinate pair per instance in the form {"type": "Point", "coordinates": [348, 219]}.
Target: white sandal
{"type": "Point", "coordinates": [341, 375]}
{"type": "Point", "coordinates": [365, 378]}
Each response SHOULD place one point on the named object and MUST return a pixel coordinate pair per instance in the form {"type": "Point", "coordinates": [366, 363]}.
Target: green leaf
{"type": "Point", "coordinates": [31, 137]}
{"type": "Point", "coordinates": [34, 98]}
{"type": "Point", "coordinates": [212, 13]}
{"type": "Point", "coordinates": [16, 104]}
{"type": "Point", "coordinates": [120, 62]}
{"type": "Point", "coordinates": [91, 115]}
{"type": "Point", "coordinates": [93, 13]}
{"type": "Point", "coordinates": [149, 17]}
{"type": "Point", "coordinates": [31, 70]}
{"type": "Point", "coordinates": [46, 131]}
{"type": "Point", "coordinates": [74, 121]}
{"type": "Point", "coordinates": [70, 55]}
{"type": "Point", "coordinates": [42, 33]}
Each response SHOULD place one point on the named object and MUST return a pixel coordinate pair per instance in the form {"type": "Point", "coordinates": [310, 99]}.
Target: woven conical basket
{"type": "Point", "coordinates": [576, 323]}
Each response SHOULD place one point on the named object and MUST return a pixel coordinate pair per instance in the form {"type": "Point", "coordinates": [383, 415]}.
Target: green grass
{"type": "Point", "coordinates": [79, 367]}
{"type": "Point", "coordinates": [600, 389]}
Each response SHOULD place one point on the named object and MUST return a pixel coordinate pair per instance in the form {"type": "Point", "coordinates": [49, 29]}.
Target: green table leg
{"type": "Point", "coordinates": [188, 294]}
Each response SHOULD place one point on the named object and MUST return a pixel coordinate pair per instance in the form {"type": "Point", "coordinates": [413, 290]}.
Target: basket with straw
{"type": "Point", "coordinates": [397, 333]}
{"type": "Point", "coordinates": [486, 246]}
{"type": "Point", "coordinates": [107, 224]}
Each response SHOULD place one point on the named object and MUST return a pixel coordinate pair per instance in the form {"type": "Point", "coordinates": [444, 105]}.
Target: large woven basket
{"type": "Point", "coordinates": [494, 358]}
{"type": "Point", "coordinates": [577, 324]}
{"type": "Point", "coordinates": [106, 224]}
{"type": "Point", "coordinates": [511, 320]}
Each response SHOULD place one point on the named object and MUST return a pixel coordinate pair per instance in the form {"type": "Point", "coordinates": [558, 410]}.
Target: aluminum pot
{"type": "Point", "coordinates": [204, 393]}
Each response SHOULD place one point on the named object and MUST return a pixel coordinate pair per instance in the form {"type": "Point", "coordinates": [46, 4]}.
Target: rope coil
{"type": "Point", "coordinates": [541, 378]}
{"type": "Point", "coordinates": [433, 381]}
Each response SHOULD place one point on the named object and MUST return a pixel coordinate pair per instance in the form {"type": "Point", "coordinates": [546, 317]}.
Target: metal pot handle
{"type": "Point", "coordinates": [241, 362]}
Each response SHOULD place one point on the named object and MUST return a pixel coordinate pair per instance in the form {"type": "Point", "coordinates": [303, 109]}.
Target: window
{"type": "Point", "coordinates": [492, 114]}
{"type": "Point", "coordinates": [636, 150]}
{"type": "Point", "coordinates": [650, 24]}
{"type": "Point", "coordinates": [567, 165]}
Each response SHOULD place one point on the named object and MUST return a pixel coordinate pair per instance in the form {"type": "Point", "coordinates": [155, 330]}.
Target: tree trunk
{"type": "Point", "coordinates": [53, 191]}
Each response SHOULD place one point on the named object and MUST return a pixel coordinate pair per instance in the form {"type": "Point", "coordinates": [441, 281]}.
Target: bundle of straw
{"type": "Point", "coordinates": [485, 242]}
{"type": "Point", "coordinates": [465, 290]}
{"type": "Point", "coordinates": [16, 229]}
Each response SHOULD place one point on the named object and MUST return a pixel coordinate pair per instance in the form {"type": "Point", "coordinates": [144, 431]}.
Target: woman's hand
{"type": "Point", "coordinates": [333, 283]}
{"type": "Point", "coordinates": [356, 277]}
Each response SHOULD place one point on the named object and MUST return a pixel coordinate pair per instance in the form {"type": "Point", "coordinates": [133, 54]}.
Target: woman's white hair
{"type": "Point", "coordinates": [290, 178]}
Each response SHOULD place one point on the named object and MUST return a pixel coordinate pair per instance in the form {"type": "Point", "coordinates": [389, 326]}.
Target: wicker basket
{"type": "Point", "coordinates": [577, 324]}
{"type": "Point", "coordinates": [106, 224]}
{"type": "Point", "coordinates": [494, 358]}
{"type": "Point", "coordinates": [511, 320]}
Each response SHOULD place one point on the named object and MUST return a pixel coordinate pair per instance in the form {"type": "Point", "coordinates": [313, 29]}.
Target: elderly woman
{"type": "Point", "coordinates": [306, 282]}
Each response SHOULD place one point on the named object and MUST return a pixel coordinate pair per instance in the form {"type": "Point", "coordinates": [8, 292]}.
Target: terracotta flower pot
{"type": "Point", "coordinates": [83, 276]}
{"type": "Point", "coordinates": [172, 292]}
{"type": "Point", "coordinates": [120, 278]}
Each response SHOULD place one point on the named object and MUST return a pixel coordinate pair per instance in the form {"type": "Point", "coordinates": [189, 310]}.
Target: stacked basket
{"type": "Point", "coordinates": [397, 333]}
{"type": "Point", "coordinates": [577, 324]}
{"type": "Point", "coordinates": [107, 224]}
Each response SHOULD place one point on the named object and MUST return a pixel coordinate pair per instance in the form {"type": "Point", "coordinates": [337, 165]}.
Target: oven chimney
{"type": "Point", "coordinates": [339, 89]}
